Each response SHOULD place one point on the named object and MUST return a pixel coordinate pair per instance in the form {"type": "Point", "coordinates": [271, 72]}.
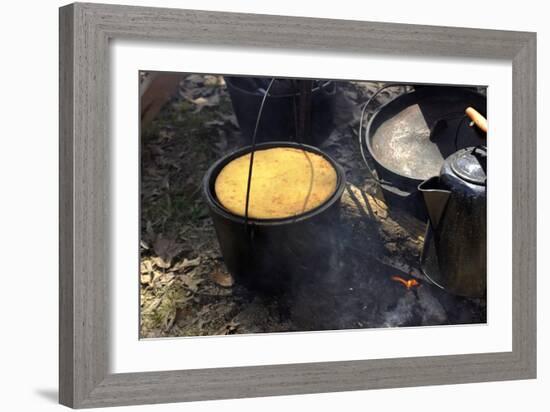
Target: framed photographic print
{"type": "Point", "coordinates": [257, 205]}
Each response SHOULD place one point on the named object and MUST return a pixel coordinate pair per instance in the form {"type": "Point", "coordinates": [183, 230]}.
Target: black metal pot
{"type": "Point", "coordinates": [272, 255]}
{"type": "Point", "coordinates": [410, 137]}
{"type": "Point", "coordinates": [279, 117]}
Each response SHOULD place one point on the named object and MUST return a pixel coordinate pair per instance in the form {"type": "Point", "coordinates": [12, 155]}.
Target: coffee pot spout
{"type": "Point", "coordinates": [435, 199]}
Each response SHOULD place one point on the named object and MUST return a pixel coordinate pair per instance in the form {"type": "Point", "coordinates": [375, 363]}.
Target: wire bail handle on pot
{"type": "Point", "coordinates": [251, 163]}
{"type": "Point", "coordinates": [361, 119]}
{"type": "Point", "coordinates": [248, 225]}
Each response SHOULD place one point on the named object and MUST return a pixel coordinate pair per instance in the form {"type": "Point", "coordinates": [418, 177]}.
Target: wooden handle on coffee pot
{"type": "Point", "coordinates": [477, 118]}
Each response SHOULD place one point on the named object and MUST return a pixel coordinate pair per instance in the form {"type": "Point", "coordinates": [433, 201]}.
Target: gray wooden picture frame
{"type": "Point", "coordinates": [85, 31]}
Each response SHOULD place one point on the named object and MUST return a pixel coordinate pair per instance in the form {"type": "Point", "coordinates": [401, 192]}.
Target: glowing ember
{"type": "Point", "coordinates": [407, 283]}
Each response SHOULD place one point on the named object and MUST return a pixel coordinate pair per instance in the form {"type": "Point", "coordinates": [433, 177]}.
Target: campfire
{"type": "Point", "coordinates": [409, 284]}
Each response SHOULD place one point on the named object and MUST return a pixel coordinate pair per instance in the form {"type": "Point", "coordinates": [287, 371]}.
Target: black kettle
{"type": "Point", "coordinates": [454, 256]}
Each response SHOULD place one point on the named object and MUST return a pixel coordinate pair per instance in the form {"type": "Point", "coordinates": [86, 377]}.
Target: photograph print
{"type": "Point", "coordinates": [272, 204]}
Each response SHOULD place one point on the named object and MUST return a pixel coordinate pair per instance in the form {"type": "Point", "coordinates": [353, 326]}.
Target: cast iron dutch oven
{"type": "Point", "coordinates": [410, 137]}
{"type": "Point", "coordinates": [279, 117]}
{"type": "Point", "coordinates": [271, 255]}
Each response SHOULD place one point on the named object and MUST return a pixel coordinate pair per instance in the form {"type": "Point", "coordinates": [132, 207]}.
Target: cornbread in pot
{"type": "Point", "coordinates": [285, 182]}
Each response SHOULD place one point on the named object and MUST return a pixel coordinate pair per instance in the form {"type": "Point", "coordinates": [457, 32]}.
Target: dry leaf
{"type": "Point", "coordinates": [146, 278]}
{"type": "Point", "coordinates": [222, 279]}
{"type": "Point", "coordinates": [166, 249]}
{"type": "Point", "coordinates": [146, 266]}
{"type": "Point", "coordinates": [191, 282]}
{"type": "Point", "coordinates": [228, 329]}
{"type": "Point", "coordinates": [170, 320]}
{"type": "Point", "coordinates": [202, 101]}
{"type": "Point", "coordinates": [210, 80]}
{"type": "Point", "coordinates": [161, 263]}
{"type": "Point", "coordinates": [186, 264]}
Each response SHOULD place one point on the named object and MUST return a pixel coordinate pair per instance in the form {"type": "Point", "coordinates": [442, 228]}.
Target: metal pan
{"type": "Point", "coordinates": [409, 138]}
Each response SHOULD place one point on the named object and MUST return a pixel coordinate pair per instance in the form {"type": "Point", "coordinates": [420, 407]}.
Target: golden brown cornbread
{"type": "Point", "coordinates": [285, 182]}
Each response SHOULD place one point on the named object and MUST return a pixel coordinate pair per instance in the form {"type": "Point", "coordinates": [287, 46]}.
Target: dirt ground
{"type": "Point", "coordinates": [185, 287]}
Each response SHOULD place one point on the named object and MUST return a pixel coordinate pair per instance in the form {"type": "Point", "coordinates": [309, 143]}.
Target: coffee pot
{"type": "Point", "coordinates": [454, 256]}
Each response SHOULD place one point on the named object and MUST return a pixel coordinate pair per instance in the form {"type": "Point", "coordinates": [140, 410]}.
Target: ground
{"type": "Point", "coordinates": [185, 287]}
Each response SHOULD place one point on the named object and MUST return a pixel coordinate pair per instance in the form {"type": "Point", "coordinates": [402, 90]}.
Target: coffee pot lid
{"type": "Point", "coordinates": [470, 164]}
